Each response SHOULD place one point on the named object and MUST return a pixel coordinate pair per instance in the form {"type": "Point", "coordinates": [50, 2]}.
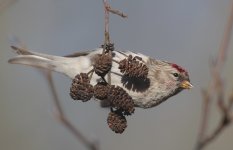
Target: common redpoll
{"type": "Point", "coordinates": [164, 79]}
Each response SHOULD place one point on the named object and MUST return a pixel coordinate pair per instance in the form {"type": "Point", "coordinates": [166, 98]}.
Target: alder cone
{"type": "Point", "coordinates": [120, 99]}
{"type": "Point", "coordinates": [103, 64]}
{"type": "Point", "coordinates": [132, 67]}
{"type": "Point", "coordinates": [116, 121]}
{"type": "Point", "coordinates": [101, 90]}
{"type": "Point", "coordinates": [81, 89]}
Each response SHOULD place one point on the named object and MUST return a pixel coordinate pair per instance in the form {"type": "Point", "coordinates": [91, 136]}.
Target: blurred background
{"type": "Point", "coordinates": [187, 32]}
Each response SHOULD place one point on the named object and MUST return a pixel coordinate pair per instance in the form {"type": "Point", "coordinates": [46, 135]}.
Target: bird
{"type": "Point", "coordinates": [164, 79]}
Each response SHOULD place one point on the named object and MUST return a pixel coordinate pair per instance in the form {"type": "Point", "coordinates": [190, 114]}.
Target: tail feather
{"type": "Point", "coordinates": [68, 66]}
{"type": "Point", "coordinates": [23, 51]}
{"type": "Point", "coordinates": [32, 60]}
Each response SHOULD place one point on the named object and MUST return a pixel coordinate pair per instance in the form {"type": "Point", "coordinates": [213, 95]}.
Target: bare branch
{"type": "Point", "coordinates": [63, 119]}
{"type": "Point", "coordinates": [116, 12]}
{"type": "Point", "coordinates": [106, 23]}
{"type": "Point", "coordinates": [205, 114]}
{"type": "Point", "coordinates": [226, 38]}
{"type": "Point", "coordinates": [216, 89]}
{"type": "Point", "coordinates": [107, 9]}
{"type": "Point", "coordinates": [207, 140]}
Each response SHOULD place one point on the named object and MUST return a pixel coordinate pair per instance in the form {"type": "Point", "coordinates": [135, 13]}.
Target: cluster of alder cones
{"type": "Point", "coordinates": [121, 102]}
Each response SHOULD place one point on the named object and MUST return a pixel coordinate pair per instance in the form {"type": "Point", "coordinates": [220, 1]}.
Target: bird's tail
{"type": "Point", "coordinates": [54, 63]}
{"type": "Point", "coordinates": [26, 57]}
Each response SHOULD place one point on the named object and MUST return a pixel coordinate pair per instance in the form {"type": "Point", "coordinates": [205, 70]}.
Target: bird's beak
{"type": "Point", "coordinates": [186, 84]}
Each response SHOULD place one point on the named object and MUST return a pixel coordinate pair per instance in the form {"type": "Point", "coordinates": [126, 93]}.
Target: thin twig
{"type": "Point", "coordinates": [107, 9]}
{"type": "Point", "coordinates": [106, 33]}
{"type": "Point", "coordinates": [226, 39]}
{"type": "Point", "coordinates": [216, 86]}
{"type": "Point", "coordinates": [230, 102]}
{"type": "Point", "coordinates": [116, 12]}
{"type": "Point", "coordinates": [224, 122]}
{"type": "Point", "coordinates": [91, 74]}
{"type": "Point", "coordinates": [210, 138]}
{"type": "Point", "coordinates": [113, 60]}
{"type": "Point", "coordinates": [63, 119]}
{"type": "Point", "coordinates": [205, 116]}
{"type": "Point", "coordinates": [106, 24]}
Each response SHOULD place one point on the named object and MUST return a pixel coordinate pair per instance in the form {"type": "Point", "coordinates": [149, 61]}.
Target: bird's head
{"type": "Point", "coordinates": [180, 76]}
{"type": "Point", "coordinates": [170, 78]}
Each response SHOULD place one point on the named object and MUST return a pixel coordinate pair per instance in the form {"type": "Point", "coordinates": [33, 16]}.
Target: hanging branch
{"type": "Point", "coordinates": [216, 86]}
{"type": "Point", "coordinates": [107, 9]}
{"type": "Point", "coordinates": [106, 24]}
{"type": "Point", "coordinates": [107, 43]}
{"type": "Point", "coordinates": [60, 115]}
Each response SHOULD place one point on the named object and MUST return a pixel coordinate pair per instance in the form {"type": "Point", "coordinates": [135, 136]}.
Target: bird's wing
{"type": "Point", "coordinates": [80, 53]}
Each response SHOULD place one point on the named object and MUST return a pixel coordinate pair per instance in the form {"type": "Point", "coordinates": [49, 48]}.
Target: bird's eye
{"type": "Point", "coordinates": [175, 75]}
